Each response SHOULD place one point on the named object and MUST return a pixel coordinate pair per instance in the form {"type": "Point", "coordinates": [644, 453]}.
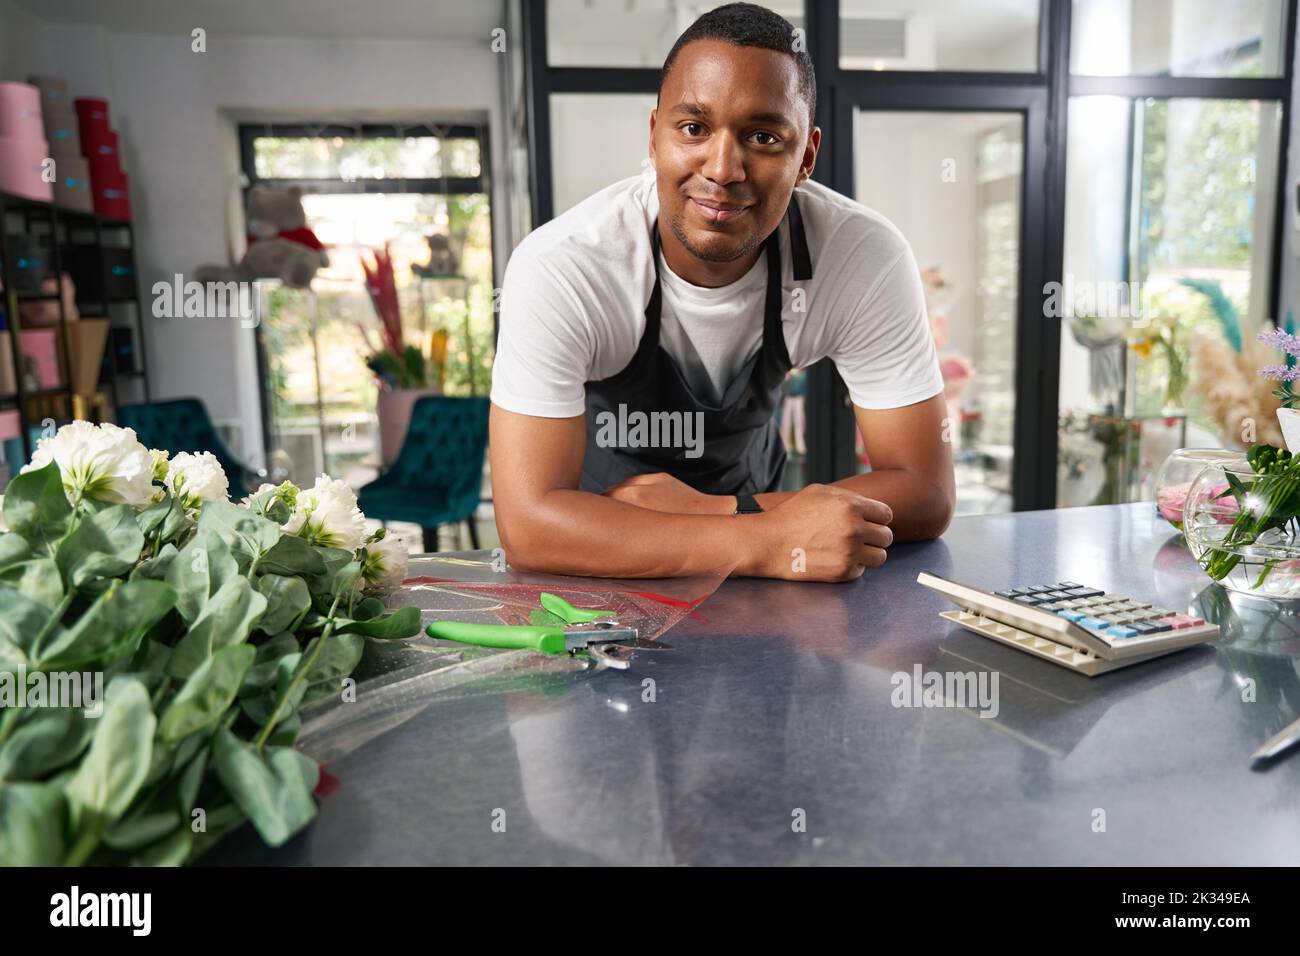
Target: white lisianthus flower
{"type": "Point", "coordinates": [264, 499]}
{"type": "Point", "coordinates": [159, 459]}
{"type": "Point", "coordinates": [387, 561]}
{"type": "Point", "coordinates": [194, 479]}
{"type": "Point", "coordinates": [327, 514]}
{"type": "Point", "coordinates": [98, 462]}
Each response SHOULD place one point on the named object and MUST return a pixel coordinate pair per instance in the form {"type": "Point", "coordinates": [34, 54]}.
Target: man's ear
{"type": "Point", "coordinates": [809, 159]}
{"type": "Point", "coordinates": [653, 115]}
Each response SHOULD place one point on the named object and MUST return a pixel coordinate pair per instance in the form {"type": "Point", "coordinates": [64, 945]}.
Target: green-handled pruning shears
{"type": "Point", "coordinates": [576, 629]}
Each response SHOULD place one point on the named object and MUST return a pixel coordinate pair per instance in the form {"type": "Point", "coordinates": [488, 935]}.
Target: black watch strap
{"type": "Point", "coordinates": [747, 505]}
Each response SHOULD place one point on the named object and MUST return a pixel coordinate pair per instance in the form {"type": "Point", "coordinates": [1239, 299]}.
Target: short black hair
{"type": "Point", "coordinates": [748, 24]}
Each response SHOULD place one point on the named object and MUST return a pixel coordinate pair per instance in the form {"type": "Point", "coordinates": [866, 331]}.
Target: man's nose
{"type": "Point", "coordinates": [726, 160]}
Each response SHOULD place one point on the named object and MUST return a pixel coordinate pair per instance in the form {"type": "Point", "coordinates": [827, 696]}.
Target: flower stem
{"type": "Point", "coordinates": [301, 673]}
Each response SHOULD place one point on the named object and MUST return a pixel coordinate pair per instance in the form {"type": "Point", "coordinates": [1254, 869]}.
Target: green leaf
{"type": "Point", "coordinates": [156, 568]}
{"type": "Point", "coordinates": [286, 600]}
{"type": "Point", "coordinates": [273, 787]}
{"type": "Point", "coordinates": [248, 536]}
{"type": "Point", "coordinates": [172, 850]}
{"type": "Point", "coordinates": [292, 555]}
{"type": "Point", "coordinates": [138, 831]}
{"type": "Point", "coordinates": [262, 674]}
{"type": "Point", "coordinates": [199, 572]}
{"type": "Point", "coordinates": [104, 545]}
{"type": "Point", "coordinates": [164, 521]}
{"type": "Point", "coordinates": [227, 618]}
{"type": "Point", "coordinates": [368, 609]}
{"type": "Point", "coordinates": [259, 707]}
{"type": "Point", "coordinates": [36, 506]}
{"type": "Point", "coordinates": [44, 741]}
{"type": "Point", "coordinates": [112, 628]}
{"type": "Point", "coordinates": [207, 693]}
{"type": "Point", "coordinates": [338, 657]}
{"type": "Point", "coordinates": [31, 825]}
{"type": "Point", "coordinates": [38, 579]}
{"type": "Point", "coordinates": [21, 619]}
{"type": "Point", "coordinates": [404, 622]}
{"type": "Point", "coordinates": [120, 754]}
{"type": "Point", "coordinates": [190, 780]}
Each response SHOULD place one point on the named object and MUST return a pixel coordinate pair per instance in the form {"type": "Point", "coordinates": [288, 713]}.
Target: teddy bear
{"type": "Point", "coordinates": [280, 245]}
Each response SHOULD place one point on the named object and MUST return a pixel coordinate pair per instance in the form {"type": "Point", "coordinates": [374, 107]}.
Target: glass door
{"type": "Point", "coordinates": [959, 172]}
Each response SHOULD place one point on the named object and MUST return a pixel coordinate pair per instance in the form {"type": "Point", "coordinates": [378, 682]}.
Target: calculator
{"type": "Point", "coordinates": [1073, 625]}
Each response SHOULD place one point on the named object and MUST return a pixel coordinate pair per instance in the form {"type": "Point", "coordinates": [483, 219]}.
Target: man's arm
{"type": "Point", "coordinates": [547, 524]}
{"type": "Point", "coordinates": [911, 467]}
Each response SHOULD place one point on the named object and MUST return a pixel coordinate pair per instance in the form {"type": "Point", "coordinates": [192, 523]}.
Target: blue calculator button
{"type": "Point", "coordinates": [1092, 623]}
{"type": "Point", "coordinates": [1072, 615]}
{"type": "Point", "coordinates": [1119, 630]}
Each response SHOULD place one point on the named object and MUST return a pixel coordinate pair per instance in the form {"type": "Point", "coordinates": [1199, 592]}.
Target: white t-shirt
{"type": "Point", "coordinates": [573, 306]}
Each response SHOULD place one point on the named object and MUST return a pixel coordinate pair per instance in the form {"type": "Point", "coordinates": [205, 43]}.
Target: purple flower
{"type": "Point", "coordinates": [1281, 373]}
{"type": "Point", "coordinates": [1279, 339]}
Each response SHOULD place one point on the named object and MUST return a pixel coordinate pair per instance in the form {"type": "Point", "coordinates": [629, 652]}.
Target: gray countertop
{"type": "Point", "coordinates": [773, 735]}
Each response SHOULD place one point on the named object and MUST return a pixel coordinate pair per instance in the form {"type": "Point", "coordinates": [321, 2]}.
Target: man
{"type": "Point", "coordinates": [679, 300]}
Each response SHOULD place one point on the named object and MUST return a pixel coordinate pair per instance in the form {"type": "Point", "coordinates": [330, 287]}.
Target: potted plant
{"type": "Point", "coordinates": [406, 371]}
{"type": "Point", "coordinates": [1288, 415]}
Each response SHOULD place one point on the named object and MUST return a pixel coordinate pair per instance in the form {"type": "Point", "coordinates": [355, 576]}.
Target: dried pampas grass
{"type": "Point", "coordinates": [1233, 392]}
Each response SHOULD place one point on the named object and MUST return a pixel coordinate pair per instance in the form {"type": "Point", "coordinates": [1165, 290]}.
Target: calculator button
{"type": "Point", "coordinates": [1008, 594]}
{"type": "Point", "coordinates": [1121, 630]}
{"type": "Point", "coordinates": [1070, 615]}
{"type": "Point", "coordinates": [1142, 627]}
{"type": "Point", "coordinates": [1092, 623]}
{"type": "Point", "coordinates": [1040, 589]}
{"type": "Point", "coordinates": [1160, 612]}
{"type": "Point", "coordinates": [1085, 592]}
{"type": "Point", "coordinates": [1166, 623]}
{"type": "Point", "coordinates": [1067, 585]}
{"type": "Point", "coordinates": [1049, 606]}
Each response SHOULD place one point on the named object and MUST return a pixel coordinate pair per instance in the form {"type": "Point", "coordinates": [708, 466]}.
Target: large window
{"type": "Point", "coordinates": [1124, 153]}
{"type": "Point", "coordinates": [366, 189]}
{"type": "Point", "coordinates": [1170, 232]}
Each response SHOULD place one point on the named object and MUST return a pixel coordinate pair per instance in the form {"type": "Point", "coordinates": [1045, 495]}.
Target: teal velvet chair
{"type": "Point", "coordinates": [438, 474]}
{"type": "Point", "coordinates": [183, 424]}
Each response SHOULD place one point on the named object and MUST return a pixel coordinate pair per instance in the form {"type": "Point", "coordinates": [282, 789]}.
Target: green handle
{"type": "Point", "coordinates": [548, 640]}
{"type": "Point", "coordinates": [569, 614]}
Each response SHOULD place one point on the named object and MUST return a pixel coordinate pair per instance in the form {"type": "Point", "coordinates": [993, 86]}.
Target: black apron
{"type": "Point", "coordinates": [742, 451]}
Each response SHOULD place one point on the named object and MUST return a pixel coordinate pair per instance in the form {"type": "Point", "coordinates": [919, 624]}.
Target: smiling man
{"type": "Point", "coordinates": [646, 333]}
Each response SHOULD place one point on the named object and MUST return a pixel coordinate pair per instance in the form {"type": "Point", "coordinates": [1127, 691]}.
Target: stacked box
{"type": "Point", "coordinates": [63, 132]}
{"type": "Point", "coordinates": [23, 148]}
{"type": "Point", "coordinates": [108, 182]}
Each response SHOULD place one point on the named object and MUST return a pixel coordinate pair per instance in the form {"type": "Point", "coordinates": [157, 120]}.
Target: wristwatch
{"type": "Point", "coordinates": [747, 505]}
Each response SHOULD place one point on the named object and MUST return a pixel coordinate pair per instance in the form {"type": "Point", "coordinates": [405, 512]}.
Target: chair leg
{"type": "Point", "coordinates": [473, 533]}
{"type": "Point", "coordinates": [430, 538]}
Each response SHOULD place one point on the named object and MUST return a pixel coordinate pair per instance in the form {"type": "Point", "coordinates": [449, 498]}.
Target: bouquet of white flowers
{"type": "Point", "coordinates": [205, 625]}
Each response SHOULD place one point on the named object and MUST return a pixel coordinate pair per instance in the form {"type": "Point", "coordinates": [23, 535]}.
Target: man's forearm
{"type": "Point", "coordinates": [922, 509]}
{"type": "Point", "coordinates": [576, 532]}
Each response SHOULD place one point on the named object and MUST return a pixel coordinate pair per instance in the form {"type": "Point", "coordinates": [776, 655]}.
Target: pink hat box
{"type": "Point", "coordinates": [20, 111]}
{"type": "Point", "coordinates": [21, 165]}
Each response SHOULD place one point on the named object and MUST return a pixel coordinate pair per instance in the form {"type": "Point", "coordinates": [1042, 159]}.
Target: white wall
{"type": "Point", "coordinates": [177, 112]}
{"type": "Point", "coordinates": [17, 38]}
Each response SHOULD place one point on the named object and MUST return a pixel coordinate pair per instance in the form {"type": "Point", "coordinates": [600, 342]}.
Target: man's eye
{"type": "Point", "coordinates": [693, 129]}
{"type": "Point", "coordinates": [771, 140]}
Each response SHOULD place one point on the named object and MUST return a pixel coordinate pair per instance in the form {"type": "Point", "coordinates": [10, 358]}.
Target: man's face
{"type": "Point", "coordinates": [729, 141]}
